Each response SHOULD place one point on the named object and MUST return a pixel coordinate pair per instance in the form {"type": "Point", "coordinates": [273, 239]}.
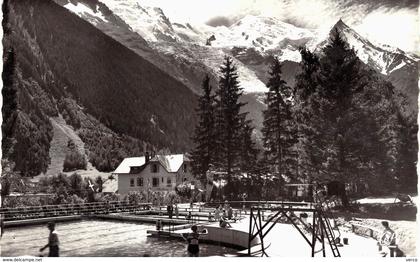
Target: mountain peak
{"type": "Point", "coordinates": [340, 25]}
{"type": "Point", "coordinates": [384, 59]}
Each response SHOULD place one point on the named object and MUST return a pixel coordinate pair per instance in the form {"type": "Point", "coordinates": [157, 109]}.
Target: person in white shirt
{"type": "Point", "coordinates": [387, 239]}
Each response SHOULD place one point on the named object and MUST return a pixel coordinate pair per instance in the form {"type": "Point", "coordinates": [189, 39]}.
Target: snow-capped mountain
{"type": "Point", "coordinates": [385, 59]}
{"type": "Point", "coordinates": [183, 44]}
{"type": "Point", "coordinates": [267, 35]}
{"type": "Point", "coordinates": [150, 22]}
{"type": "Point", "coordinates": [94, 15]}
{"type": "Point", "coordinates": [188, 51]}
{"type": "Point", "coordinates": [261, 33]}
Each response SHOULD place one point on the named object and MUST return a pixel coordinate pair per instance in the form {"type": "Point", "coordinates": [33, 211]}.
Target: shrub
{"type": "Point", "coordinates": [21, 201]}
{"type": "Point", "coordinates": [183, 190]}
{"type": "Point", "coordinates": [74, 160]}
{"type": "Point", "coordinates": [136, 197]}
{"type": "Point", "coordinates": [75, 199]}
{"type": "Point", "coordinates": [100, 183]}
{"type": "Point", "coordinates": [108, 197]}
{"type": "Point", "coordinates": [76, 185]}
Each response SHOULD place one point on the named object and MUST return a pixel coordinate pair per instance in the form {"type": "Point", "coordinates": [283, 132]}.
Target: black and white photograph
{"type": "Point", "coordinates": [209, 128]}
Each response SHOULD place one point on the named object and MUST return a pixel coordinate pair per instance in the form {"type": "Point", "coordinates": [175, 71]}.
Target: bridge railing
{"type": "Point", "coordinates": [33, 212]}
{"type": "Point", "coordinates": [262, 204]}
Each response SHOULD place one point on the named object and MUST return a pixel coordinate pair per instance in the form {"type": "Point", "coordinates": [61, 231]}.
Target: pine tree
{"type": "Point", "coordinates": [249, 153]}
{"type": "Point", "coordinates": [359, 134]}
{"type": "Point", "coordinates": [306, 116]}
{"type": "Point", "coordinates": [204, 138]}
{"type": "Point", "coordinates": [349, 127]}
{"type": "Point", "coordinates": [396, 145]}
{"type": "Point", "coordinates": [229, 119]}
{"type": "Point", "coordinates": [406, 161]}
{"type": "Point", "coordinates": [372, 137]}
{"type": "Point", "coordinates": [9, 89]}
{"type": "Point", "coordinates": [278, 124]}
{"type": "Point", "coordinates": [339, 75]}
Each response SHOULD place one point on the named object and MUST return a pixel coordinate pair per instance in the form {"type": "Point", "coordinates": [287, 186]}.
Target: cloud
{"type": "Point", "coordinates": [220, 21]}
{"type": "Point", "coordinates": [395, 27]}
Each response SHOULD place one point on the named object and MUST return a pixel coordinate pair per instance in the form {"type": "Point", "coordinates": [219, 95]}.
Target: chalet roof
{"type": "Point", "coordinates": [124, 167]}
{"type": "Point", "coordinates": [171, 163]}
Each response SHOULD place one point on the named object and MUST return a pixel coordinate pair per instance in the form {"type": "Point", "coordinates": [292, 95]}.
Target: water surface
{"type": "Point", "coordinates": [97, 238]}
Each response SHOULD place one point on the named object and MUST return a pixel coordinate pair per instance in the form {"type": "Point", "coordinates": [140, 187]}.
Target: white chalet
{"type": "Point", "coordinates": [157, 173]}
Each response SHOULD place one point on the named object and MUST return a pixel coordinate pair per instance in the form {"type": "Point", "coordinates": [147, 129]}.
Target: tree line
{"type": "Point", "coordinates": [340, 122]}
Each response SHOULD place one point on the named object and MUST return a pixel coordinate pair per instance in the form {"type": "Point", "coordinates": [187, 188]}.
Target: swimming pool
{"type": "Point", "coordinates": [96, 238]}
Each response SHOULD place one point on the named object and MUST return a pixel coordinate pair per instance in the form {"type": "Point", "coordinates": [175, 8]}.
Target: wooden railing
{"type": "Point", "coordinates": [33, 212]}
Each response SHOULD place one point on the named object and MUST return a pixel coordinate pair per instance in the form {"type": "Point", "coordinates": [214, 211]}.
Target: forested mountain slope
{"type": "Point", "coordinates": [57, 63]}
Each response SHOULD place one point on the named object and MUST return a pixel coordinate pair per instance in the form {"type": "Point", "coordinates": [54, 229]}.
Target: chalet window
{"type": "Point", "coordinates": [131, 182]}
{"type": "Point", "coordinates": [162, 180]}
{"type": "Point", "coordinates": [184, 168]}
{"type": "Point", "coordinates": [168, 182]}
{"type": "Point", "coordinates": [155, 182]}
{"type": "Point", "coordinates": [134, 170]}
{"type": "Point", "coordinates": [154, 168]}
{"type": "Point", "coordinates": [139, 181]}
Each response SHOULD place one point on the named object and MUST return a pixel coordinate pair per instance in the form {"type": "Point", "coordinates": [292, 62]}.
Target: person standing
{"type": "Point", "coordinates": [193, 241]}
{"type": "Point", "coordinates": [53, 242]}
{"type": "Point", "coordinates": [243, 200]}
{"type": "Point", "coordinates": [1, 225]}
{"type": "Point", "coordinates": [189, 216]}
{"type": "Point", "coordinates": [170, 210]}
{"type": "Point", "coordinates": [176, 211]}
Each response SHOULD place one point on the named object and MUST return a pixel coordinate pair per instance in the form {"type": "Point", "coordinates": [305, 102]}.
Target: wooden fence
{"type": "Point", "coordinates": [33, 212]}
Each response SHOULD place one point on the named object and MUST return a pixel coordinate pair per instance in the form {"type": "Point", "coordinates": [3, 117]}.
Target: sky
{"type": "Point", "coordinates": [392, 22]}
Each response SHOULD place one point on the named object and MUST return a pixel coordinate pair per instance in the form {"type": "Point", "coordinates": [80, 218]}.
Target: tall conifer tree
{"type": "Point", "coordinates": [249, 152]}
{"type": "Point", "coordinates": [306, 113]}
{"type": "Point", "coordinates": [339, 80]}
{"type": "Point", "coordinates": [349, 126]}
{"type": "Point", "coordinates": [229, 119]}
{"type": "Point", "coordinates": [205, 132]}
{"type": "Point", "coordinates": [358, 135]}
{"type": "Point", "coordinates": [278, 125]}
